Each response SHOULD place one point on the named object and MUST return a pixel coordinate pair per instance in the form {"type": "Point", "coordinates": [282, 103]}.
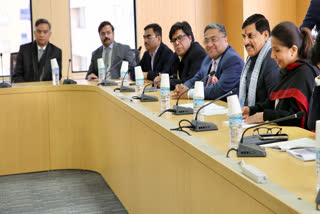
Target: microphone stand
{"type": "Point", "coordinates": [206, 126]}
{"type": "Point", "coordinates": [3, 84]}
{"type": "Point", "coordinates": [180, 110]}
{"type": "Point", "coordinates": [246, 149]}
{"type": "Point", "coordinates": [69, 81]}
{"type": "Point", "coordinates": [124, 88]}
{"type": "Point", "coordinates": [106, 82]}
{"type": "Point", "coordinates": [148, 98]}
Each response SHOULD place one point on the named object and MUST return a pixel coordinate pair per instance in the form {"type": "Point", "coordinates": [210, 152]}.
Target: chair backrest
{"type": "Point", "coordinates": [136, 53]}
{"type": "Point", "coordinates": [13, 60]}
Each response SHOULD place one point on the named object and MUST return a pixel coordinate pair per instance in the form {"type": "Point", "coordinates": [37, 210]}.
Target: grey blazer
{"type": "Point", "coordinates": [119, 52]}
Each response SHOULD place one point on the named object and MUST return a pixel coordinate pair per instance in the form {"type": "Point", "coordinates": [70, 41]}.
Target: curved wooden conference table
{"type": "Point", "coordinates": [150, 168]}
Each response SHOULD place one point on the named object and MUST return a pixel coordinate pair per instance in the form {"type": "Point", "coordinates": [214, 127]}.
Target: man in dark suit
{"type": "Point", "coordinates": [157, 55]}
{"type": "Point", "coordinates": [33, 60]}
{"type": "Point", "coordinates": [260, 72]}
{"type": "Point", "coordinates": [112, 53]}
{"type": "Point", "coordinates": [186, 60]}
{"type": "Point", "coordinates": [222, 60]}
{"type": "Point", "coordinates": [312, 17]}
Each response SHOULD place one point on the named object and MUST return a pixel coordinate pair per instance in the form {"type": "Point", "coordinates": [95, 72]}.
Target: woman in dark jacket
{"type": "Point", "coordinates": [290, 48]}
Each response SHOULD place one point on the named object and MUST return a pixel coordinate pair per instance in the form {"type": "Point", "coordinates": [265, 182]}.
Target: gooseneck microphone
{"type": "Point", "coordinates": [247, 148]}
{"type": "Point", "coordinates": [206, 126]}
{"type": "Point", "coordinates": [124, 88]}
{"type": "Point", "coordinates": [106, 82]}
{"type": "Point", "coordinates": [69, 81]}
{"type": "Point", "coordinates": [148, 98]}
{"type": "Point", "coordinates": [180, 110]}
{"type": "Point", "coordinates": [3, 84]}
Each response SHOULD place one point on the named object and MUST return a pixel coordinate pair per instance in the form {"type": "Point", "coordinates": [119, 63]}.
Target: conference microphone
{"type": "Point", "coordinates": [148, 98]}
{"type": "Point", "coordinates": [3, 84]}
{"type": "Point", "coordinates": [247, 148]}
{"type": "Point", "coordinates": [69, 81]}
{"type": "Point", "coordinates": [198, 126]}
{"type": "Point", "coordinates": [124, 88]}
{"type": "Point", "coordinates": [180, 110]}
{"type": "Point", "coordinates": [106, 82]}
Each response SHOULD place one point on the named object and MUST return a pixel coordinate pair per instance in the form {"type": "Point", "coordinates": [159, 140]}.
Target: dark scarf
{"type": "Point", "coordinates": [290, 85]}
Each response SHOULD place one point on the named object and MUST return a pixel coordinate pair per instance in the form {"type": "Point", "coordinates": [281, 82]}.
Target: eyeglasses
{"type": "Point", "coordinates": [265, 130]}
{"type": "Point", "coordinates": [179, 38]}
{"type": "Point", "coordinates": [213, 39]}
{"type": "Point", "coordinates": [149, 36]}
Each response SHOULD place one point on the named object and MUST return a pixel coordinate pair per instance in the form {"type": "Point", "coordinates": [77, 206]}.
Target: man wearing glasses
{"type": "Point", "coordinates": [112, 53]}
{"type": "Point", "coordinates": [155, 58]}
{"type": "Point", "coordinates": [186, 60]}
{"type": "Point", "coordinates": [33, 60]}
{"type": "Point", "coordinates": [223, 64]}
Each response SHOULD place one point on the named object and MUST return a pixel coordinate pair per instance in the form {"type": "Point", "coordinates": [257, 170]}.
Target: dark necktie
{"type": "Point", "coordinates": [212, 69]}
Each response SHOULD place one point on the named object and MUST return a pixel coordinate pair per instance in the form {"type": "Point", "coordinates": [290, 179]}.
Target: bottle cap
{"type": "Point", "coordinates": [198, 89]}
{"type": "Point", "coordinates": [100, 63]}
{"type": "Point", "coordinates": [124, 66]}
{"type": "Point", "coordinates": [138, 72]}
{"type": "Point", "coordinates": [54, 63]}
{"type": "Point", "coordinates": [165, 83]}
{"type": "Point", "coordinates": [234, 105]}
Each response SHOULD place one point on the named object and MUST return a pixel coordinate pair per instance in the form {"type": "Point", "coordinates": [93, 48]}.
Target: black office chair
{"type": "Point", "coordinates": [13, 60]}
{"type": "Point", "coordinates": [136, 53]}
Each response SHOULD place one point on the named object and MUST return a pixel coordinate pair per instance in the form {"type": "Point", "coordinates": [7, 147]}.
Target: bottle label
{"type": "Point", "coordinates": [235, 121]}
{"type": "Point", "coordinates": [164, 91]}
{"type": "Point", "coordinates": [123, 73]}
{"type": "Point", "coordinates": [198, 102]}
{"type": "Point", "coordinates": [139, 82]}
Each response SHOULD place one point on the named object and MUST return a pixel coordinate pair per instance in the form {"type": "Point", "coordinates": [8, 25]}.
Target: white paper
{"type": "Point", "coordinates": [290, 144]}
{"type": "Point", "coordinates": [306, 154]}
{"type": "Point", "coordinates": [211, 109]}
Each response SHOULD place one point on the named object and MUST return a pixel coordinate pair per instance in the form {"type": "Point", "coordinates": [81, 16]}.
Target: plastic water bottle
{"type": "Point", "coordinates": [165, 92]}
{"type": "Point", "coordinates": [101, 70]}
{"type": "Point", "coordinates": [123, 72]}
{"type": "Point", "coordinates": [235, 120]}
{"type": "Point", "coordinates": [318, 155]}
{"type": "Point", "coordinates": [235, 129]}
{"type": "Point", "coordinates": [139, 80]}
{"type": "Point", "coordinates": [198, 100]}
{"type": "Point", "coordinates": [55, 71]}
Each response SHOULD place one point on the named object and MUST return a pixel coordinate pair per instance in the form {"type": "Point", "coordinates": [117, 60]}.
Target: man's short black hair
{"type": "Point", "coordinates": [104, 23]}
{"type": "Point", "coordinates": [155, 27]}
{"type": "Point", "coordinates": [42, 21]}
{"type": "Point", "coordinates": [260, 22]}
{"type": "Point", "coordinates": [184, 26]}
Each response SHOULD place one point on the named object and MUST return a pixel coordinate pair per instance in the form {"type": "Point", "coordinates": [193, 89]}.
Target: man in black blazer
{"type": "Point", "coordinates": [112, 53]}
{"type": "Point", "coordinates": [188, 56]}
{"type": "Point", "coordinates": [157, 55]}
{"type": "Point", "coordinates": [33, 60]}
{"type": "Point", "coordinates": [312, 17]}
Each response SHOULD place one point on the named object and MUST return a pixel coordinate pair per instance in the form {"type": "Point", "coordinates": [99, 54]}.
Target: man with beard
{"type": "Point", "coordinates": [260, 72]}
{"type": "Point", "coordinates": [111, 52]}
{"type": "Point", "coordinates": [155, 58]}
{"type": "Point", "coordinates": [222, 61]}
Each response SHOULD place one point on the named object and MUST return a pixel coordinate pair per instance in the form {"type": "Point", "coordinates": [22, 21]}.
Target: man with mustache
{"type": "Point", "coordinates": [260, 72]}
{"type": "Point", "coordinates": [222, 59]}
{"type": "Point", "coordinates": [155, 58]}
{"type": "Point", "coordinates": [111, 52]}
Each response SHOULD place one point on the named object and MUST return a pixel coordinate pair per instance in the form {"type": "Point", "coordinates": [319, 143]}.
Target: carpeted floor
{"type": "Point", "coordinates": [58, 192]}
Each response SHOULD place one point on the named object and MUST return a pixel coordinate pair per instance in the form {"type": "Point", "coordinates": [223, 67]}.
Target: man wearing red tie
{"type": "Point", "coordinates": [221, 68]}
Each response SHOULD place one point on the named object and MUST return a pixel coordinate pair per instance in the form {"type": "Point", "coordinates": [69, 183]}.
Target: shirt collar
{"type": "Point", "coordinates": [155, 52]}
{"type": "Point", "coordinates": [44, 47]}
{"type": "Point", "coordinates": [110, 46]}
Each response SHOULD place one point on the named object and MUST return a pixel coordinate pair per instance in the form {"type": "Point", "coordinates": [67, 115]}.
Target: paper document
{"type": "Point", "coordinates": [211, 109]}
{"type": "Point", "coordinates": [292, 144]}
{"type": "Point", "coordinates": [306, 154]}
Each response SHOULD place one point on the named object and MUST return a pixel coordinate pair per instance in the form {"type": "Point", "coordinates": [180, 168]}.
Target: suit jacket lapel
{"type": "Point", "coordinates": [43, 61]}
{"type": "Point", "coordinates": [157, 57]}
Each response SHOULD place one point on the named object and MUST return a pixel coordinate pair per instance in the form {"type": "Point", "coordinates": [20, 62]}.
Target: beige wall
{"type": "Point", "coordinates": [198, 13]}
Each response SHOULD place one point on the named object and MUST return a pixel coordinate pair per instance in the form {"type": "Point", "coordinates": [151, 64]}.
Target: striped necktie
{"type": "Point", "coordinates": [212, 69]}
